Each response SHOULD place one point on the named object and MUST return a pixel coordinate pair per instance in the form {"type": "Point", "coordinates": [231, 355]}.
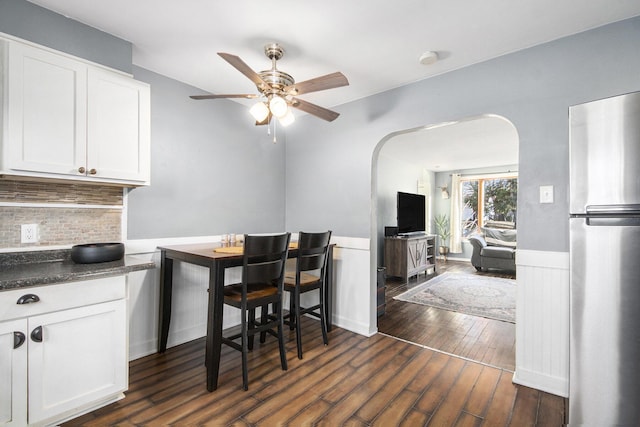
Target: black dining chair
{"type": "Point", "coordinates": [309, 274]}
{"type": "Point", "coordinates": [263, 269]}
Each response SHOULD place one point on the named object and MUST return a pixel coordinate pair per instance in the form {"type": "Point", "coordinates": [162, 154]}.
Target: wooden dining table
{"type": "Point", "coordinates": [217, 257]}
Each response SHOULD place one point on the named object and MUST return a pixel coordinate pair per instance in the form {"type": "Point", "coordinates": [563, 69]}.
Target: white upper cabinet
{"type": "Point", "coordinates": [69, 119]}
{"type": "Point", "coordinates": [46, 127]}
{"type": "Point", "coordinates": [118, 127]}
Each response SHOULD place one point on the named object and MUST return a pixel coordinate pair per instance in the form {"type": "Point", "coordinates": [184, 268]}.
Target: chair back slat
{"type": "Point", "coordinates": [264, 258]}
{"type": "Point", "coordinates": [312, 250]}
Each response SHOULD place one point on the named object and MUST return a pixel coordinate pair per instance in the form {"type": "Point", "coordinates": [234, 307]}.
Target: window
{"type": "Point", "coordinates": [488, 200]}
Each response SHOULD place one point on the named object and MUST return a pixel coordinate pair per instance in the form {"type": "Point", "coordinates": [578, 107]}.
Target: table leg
{"type": "Point", "coordinates": [166, 289]}
{"type": "Point", "coordinates": [214, 324]}
{"type": "Point", "coordinates": [328, 294]}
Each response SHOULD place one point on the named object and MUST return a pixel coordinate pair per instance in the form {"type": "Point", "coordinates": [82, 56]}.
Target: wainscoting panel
{"type": "Point", "coordinates": [542, 321]}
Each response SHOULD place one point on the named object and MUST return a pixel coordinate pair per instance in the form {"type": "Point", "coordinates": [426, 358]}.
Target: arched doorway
{"type": "Point", "coordinates": [421, 160]}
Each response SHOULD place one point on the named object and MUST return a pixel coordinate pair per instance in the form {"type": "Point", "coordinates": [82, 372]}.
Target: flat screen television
{"type": "Point", "coordinates": [411, 212]}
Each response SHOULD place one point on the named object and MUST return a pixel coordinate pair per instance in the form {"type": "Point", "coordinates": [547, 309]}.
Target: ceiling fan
{"type": "Point", "coordinates": [278, 90]}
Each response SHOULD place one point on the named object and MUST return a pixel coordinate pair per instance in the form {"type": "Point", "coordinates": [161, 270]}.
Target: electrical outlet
{"type": "Point", "coordinates": [29, 233]}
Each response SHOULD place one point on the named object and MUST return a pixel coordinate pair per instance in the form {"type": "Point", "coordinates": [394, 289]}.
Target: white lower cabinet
{"type": "Point", "coordinates": [13, 373]}
{"type": "Point", "coordinates": [66, 355]}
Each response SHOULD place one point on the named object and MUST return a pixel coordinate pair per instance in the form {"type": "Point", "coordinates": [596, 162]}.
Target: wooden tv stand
{"type": "Point", "coordinates": [408, 256]}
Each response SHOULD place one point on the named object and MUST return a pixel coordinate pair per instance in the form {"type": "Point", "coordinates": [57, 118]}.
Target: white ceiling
{"type": "Point", "coordinates": [469, 144]}
{"type": "Point", "coordinates": [375, 43]}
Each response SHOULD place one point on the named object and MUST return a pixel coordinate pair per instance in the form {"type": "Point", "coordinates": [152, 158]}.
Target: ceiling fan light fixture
{"type": "Point", "coordinates": [288, 118]}
{"type": "Point", "coordinates": [278, 106]}
{"type": "Point", "coordinates": [259, 111]}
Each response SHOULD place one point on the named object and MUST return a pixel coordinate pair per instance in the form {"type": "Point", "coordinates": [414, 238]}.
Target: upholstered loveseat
{"type": "Point", "coordinates": [494, 248]}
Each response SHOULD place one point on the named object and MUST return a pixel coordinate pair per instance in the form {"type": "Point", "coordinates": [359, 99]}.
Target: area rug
{"type": "Point", "coordinates": [477, 295]}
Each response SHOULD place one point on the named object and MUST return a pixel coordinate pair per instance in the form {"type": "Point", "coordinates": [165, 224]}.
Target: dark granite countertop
{"type": "Point", "coordinates": [25, 269]}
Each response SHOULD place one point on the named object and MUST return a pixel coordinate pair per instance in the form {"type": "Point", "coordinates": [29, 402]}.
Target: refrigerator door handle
{"type": "Point", "coordinates": [602, 221]}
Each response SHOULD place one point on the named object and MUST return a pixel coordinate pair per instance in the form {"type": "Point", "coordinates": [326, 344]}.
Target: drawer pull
{"type": "Point", "coordinates": [18, 339]}
{"type": "Point", "coordinates": [36, 334]}
{"type": "Point", "coordinates": [28, 299]}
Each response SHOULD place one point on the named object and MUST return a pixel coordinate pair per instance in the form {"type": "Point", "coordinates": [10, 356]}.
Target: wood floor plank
{"type": "Point", "coordinates": [376, 378]}
{"type": "Point", "coordinates": [482, 392]}
{"type": "Point", "coordinates": [467, 420]}
{"type": "Point", "coordinates": [449, 410]}
{"type": "Point", "coordinates": [552, 411]}
{"type": "Point", "coordinates": [394, 387]}
{"type": "Point", "coordinates": [413, 418]}
{"type": "Point", "coordinates": [440, 387]}
{"type": "Point", "coordinates": [525, 408]}
{"type": "Point", "coordinates": [311, 414]}
{"type": "Point", "coordinates": [396, 410]}
{"type": "Point", "coordinates": [376, 361]}
{"type": "Point", "coordinates": [501, 405]}
{"type": "Point", "coordinates": [293, 400]}
{"type": "Point", "coordinates": [421, 382]}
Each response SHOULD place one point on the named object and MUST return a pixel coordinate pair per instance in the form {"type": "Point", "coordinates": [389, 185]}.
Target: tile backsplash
{"type": "Point", "coordinates": [66, 213]}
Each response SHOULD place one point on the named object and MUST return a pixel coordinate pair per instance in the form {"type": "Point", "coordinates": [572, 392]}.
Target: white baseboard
{"type": "Point", "coordinates": [547, 383]}
{"type": "Point", "coordinates": [350, 325]}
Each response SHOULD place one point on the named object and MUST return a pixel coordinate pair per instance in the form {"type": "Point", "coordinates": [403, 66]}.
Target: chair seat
{"type": "Point", "coordinates": [255, 292]}
{"type": "Point", "coordinates": [306, 279]}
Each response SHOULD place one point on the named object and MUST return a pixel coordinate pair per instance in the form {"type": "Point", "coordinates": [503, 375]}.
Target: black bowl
{"type": "Point", "coordinates": [97, 252]}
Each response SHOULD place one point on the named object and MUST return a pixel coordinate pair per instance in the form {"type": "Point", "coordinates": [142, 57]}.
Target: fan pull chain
{"type": "Point", "coordinates": [274, 131]}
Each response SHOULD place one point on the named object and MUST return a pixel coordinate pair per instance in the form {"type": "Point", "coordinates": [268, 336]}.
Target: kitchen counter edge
{"type": "Point", "coordinates": [50, 272]}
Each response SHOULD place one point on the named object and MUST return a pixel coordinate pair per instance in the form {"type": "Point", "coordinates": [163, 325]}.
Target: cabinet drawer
{"type": "Point", "coordinates": [61, 296]}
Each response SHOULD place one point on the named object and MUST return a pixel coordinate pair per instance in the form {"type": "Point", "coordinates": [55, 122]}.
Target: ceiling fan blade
{"type": "Point", "coordinates": [314, 109]}
{"type": "Point", "coordinates": [246, 96]}
{"type": "Point", "coordinates": [329, 81]}
{"type": "Point", "coordinates": [241, 66]}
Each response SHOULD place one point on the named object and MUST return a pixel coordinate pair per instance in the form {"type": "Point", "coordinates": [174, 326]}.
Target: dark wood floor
{"type": "Point", "coordinates": [477, 338]}
{"type": "Point", "coordinates": [354, 381]}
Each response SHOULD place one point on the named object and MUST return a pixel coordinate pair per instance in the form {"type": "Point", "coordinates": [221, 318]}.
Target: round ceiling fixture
{"type": "Point", "coordinates": [429, 57]}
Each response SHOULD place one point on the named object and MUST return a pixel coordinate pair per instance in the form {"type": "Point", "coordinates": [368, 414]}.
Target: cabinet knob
{"type": "Point", "coordinates": [92, 171]}
{"type": "Point", "coordinates": [36, 334]}
{"type": "Point", "coordinates": [18, 339]}
{"type": "Point", "coordinates": [81, 169]}
{"type": "Point", "coordinates": [28, 299]}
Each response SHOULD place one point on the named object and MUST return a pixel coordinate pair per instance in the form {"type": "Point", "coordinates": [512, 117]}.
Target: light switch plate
{"type": "Point", "coordinates": [546, 194]}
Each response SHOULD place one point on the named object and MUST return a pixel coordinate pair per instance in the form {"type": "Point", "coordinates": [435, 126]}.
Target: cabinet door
{"type": "Point", "coordinates": [416, 256]}
{"type": "Point", "coordinates": [13, 374]}
{"type": "Point", "coordinates": [80, 358]}
{"type": "Point", "coordinates": [118, 127]}
{"type": "Point", "coordinates": [46, 126]}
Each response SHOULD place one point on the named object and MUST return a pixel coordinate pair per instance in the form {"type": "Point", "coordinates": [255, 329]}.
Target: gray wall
{"type": "Point", "coordinates": [212, 170]}
{"type": "Point", "coordinates": [31, 22]}
{"type": "Point", "coordinates": [531, 88]}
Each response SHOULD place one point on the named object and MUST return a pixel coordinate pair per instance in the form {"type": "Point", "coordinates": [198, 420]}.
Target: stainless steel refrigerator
{"type": "Point", "coordinates": [604, 379]}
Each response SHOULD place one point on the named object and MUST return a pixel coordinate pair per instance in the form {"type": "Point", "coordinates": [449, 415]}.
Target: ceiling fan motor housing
{"type": "Point", "coordinates": [276, 80]}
